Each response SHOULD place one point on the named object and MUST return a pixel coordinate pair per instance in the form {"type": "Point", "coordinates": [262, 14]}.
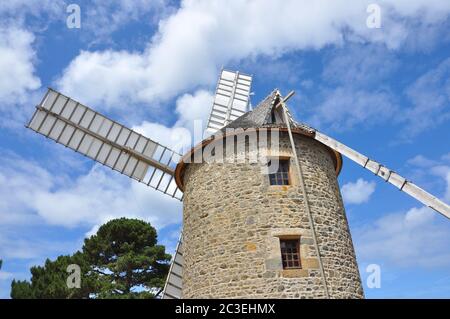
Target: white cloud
{"type": "Point", "coordinates": [17, 12]}
{"type": "Point", "coordinates": [359, 65]}
{"type": "Point", "coordinates": [343, 100]}
{"type": "Point", "coordinates": [30, 193]}
{"type": "Point", "coordinates": [4, 275]}
{"type": "Point", "coordinates": [417, 237]}
{"type": "Point", "coordinates": [20, 181]}
{"type": "Point", "coordinates": [101, 18]}
{"type": "Point", "coordinates": [193, 111]}
{"type": "Point", "coordinates": [358, 192]}
{"type": "Point", "coordinates": [194, 107]}
{"type": "Point", "coordinates": [411, 239]}
{"type": "Point", "coordinates": [192, 43]}
{"type": "Point", "coordinates": [175, 138]}
{"type": "Point", "coordinates": [421, 161]}
{"type": "Point", "coordinates": [446, 157]}
{"type": "Point", "coordinates": [443, 171]}
{"type": "Point", "coordinates": [108, 79]}
{"type": "Point", "coordinates": [21, 246]}
{"type": "Point", "coordinates": [16, 62]}
{"type": "Point", "coordinates": [447, 190]}
{"type": "Point", "coordinates": [426, 167]}
{"type": "Point", "coordinates": [100, 196]}
{"type": "Point", "coordinates": [430, 97]}
{"type": "Point", "coordinates": [345, 107]}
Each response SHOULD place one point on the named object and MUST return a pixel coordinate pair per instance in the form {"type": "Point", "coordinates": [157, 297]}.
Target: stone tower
{"type": "Point", "coordinates": [236, 224]}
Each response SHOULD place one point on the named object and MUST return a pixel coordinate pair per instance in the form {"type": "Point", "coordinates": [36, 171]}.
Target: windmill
{"type": "Point", "coordinates": [280, 234]}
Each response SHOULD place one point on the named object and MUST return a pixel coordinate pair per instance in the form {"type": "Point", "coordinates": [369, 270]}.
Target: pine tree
{"type": "Point", "coordinates": [122, 260]}
{"type": "Point", "coordinates": [127, 259]}
{"type": "Point", "coordinates": [50, 281]}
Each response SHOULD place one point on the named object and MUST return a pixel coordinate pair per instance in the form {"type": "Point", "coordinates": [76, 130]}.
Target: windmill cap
{"type": "Point", "coordinates": [260, 118]}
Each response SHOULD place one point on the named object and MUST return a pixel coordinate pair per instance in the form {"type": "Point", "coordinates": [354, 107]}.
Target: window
{"type": "Point", "coordinates": [281, 176]}
{"type": "Point", "coordinates": [290, 253]}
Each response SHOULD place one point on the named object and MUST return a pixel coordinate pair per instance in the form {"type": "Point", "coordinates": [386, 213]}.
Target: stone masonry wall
{"type": "Point", "coordinates": [233, 220]}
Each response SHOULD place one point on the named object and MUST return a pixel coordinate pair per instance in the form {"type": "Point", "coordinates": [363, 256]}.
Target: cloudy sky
{"type": "Point", "coordinates": [153, 64]}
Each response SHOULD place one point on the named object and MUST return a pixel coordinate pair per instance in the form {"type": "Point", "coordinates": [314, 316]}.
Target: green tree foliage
{"type": "Point", "coordinates": [21, 290]}
{"type": "Point", "coordinates": [126, 258]}
{"type": "Point", "coordinates": [49, 281]}
{"type": "Point", "coordinates": [122, 260]}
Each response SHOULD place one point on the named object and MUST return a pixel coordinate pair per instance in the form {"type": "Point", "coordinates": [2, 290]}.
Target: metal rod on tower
{"type": "Point", "coordinates": [303, 188]}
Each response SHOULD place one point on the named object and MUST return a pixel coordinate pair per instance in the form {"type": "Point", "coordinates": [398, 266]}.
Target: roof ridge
{"type": "Point", "coordinates": [260, 116]}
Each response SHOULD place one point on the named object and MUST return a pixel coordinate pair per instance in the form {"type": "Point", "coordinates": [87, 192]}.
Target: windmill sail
{"type": "Point", "coordinates": [82, 129]}
{"type": "Point", "coordinates": [173, 286]}
{"type": "Point", "coordinates": [230, 101]}
{"type": "Point", "coordinates": [388, 175]}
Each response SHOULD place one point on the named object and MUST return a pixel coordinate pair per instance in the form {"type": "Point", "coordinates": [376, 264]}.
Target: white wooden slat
{"type": "Point", "coordinates": [150, 149]}
{"type": "Point", "coordinates": [105, 128]}
{"type": "Point", "coordinates": [85, 144]}
{"type": "Point", "coordinates": [156, 177]}
{"type": "Point", "coordinates": [102, 153]}
{"type": "Point", "coordinates": [78, 113]}
{"type": "Point", "coordinates": [37, 120]}
{"type": "Point", "coordinates": [341, 148]}
{"type": "Point", "coordinates": [396, 180]}
{"type": "Point", "coordinates": [57, 130]}
{"type": "Point", "coordinates": [76, 139]}
{"type": "Point", "coordinates": [47, 125]}
{"type": "Point", "coordinates": [129, 167]}
{"type": "Point", "coordinates": [177, 269]}
{"type": "Point", "coordinates": [228, 75]}
{"type": "Point", "coordinates": [121, 161]}
{"type": "Point", "coordinates": [132, 140]}
{"type": "Point", "coordinates": [172, 291]}
{"type": "Point", "coordinates": [140, 145]}
{"type": "Point", "coordinates": [49, 99]}
{"type": "Point", "coordinates": [179, 258]}
{"type": "Point", "coordinates": [114, 132]}
{"type": "Point", "coordinates": [94, 148]}
{"type": "Point", "coordinates": [96, 123]}
{"type": "Point", "coordinates": [231, 99]}
{"type": "Point", "coordinates": [177, 194]}
{"type": "Point", "coordinates": [140, 171]}
{"type": "Point", "coordinates": [59, 104]}
{"type": "Point", "coordinates": [243, 87]}
{"type": "Point", "coordinates": [244, 77]}
{"type": "Point", "coordinates": [384, 173]}
{"type": "Point", "coordinates": [243, 93]}
{"type": "Point", "coordinates": [225, 93]}
{"type": "Point", "coordinates": [68, 109]}
{"type": "Point", "coordinates": [112, 157]}
{"type": "Point", "coordinates": [123, 136]}
{"type": "Point", "coordinates": [66, 134]}
{"type": "Point", "coordinates": [174, 283]}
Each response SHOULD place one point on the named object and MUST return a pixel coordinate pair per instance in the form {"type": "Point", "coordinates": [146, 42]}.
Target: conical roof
{"type": "Point", "coordinates": [262, 116]}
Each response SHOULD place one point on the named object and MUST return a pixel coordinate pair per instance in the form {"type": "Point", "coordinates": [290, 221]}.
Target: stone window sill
{"type": "Point", "coordinates": [294, 273]}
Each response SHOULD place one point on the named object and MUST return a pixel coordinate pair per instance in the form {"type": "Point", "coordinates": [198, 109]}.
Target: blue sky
{"type": "Point", "coordinates": [153, 65]}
